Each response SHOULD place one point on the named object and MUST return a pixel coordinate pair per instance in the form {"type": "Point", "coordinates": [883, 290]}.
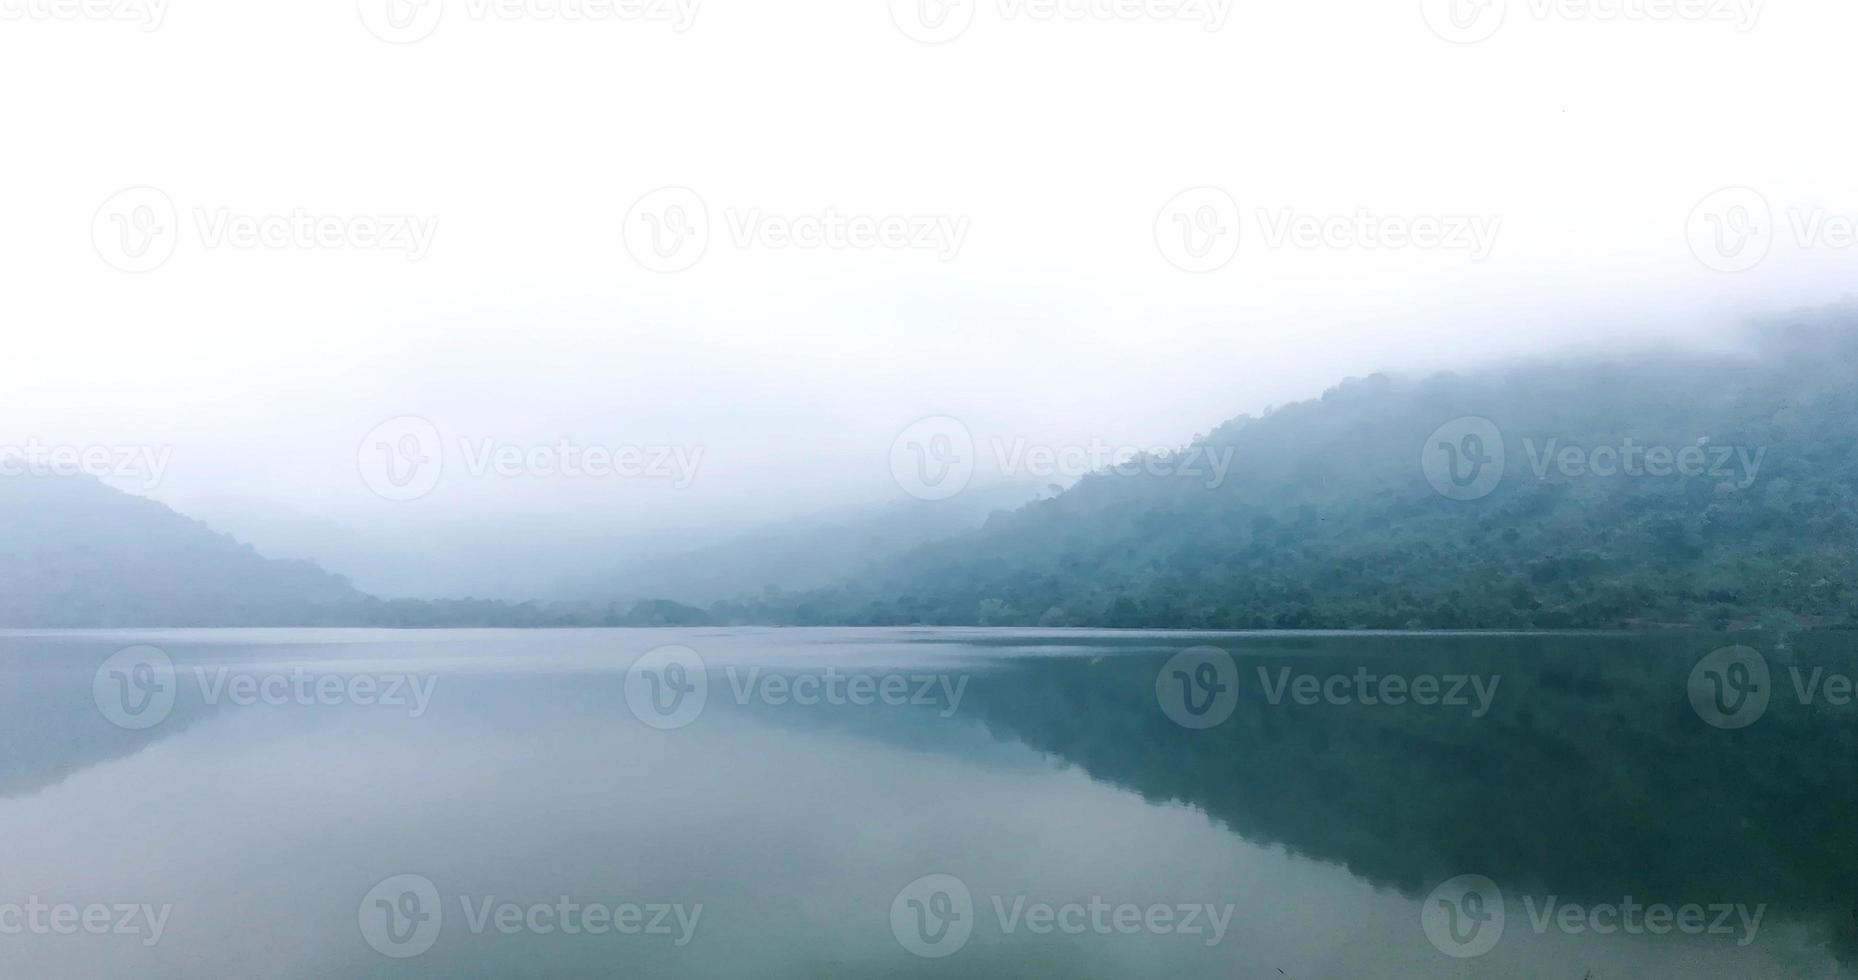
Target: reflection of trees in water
{"type": "Point", "coordinates": [1591, 778]}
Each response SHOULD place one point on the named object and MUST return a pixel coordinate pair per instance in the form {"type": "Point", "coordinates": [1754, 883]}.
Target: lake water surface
{"type": "Point", "coordinates": [925, 803]}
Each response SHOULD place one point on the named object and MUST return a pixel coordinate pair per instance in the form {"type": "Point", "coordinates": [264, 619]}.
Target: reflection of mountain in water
{"type": "Point", "coordinates": [50, 727]}
{"type": "Point", "coordinates": [1591, 778]}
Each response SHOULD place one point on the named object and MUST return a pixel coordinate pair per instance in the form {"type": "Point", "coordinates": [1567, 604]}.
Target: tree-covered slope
{"type": "Point", "coordinates": [76, 553]}
{"type": "Point", "coordinates": [1328, 518]}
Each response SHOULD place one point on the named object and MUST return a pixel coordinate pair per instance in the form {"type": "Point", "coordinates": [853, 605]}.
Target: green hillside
{"type": "Point", "coordinates": [1739, 508]}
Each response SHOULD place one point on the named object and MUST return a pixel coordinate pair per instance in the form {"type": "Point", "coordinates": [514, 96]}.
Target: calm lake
{"type": "Point", "coordinates": [926, 803]}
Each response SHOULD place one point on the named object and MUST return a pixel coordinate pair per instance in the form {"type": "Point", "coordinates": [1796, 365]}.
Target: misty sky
{"type": "Point", "coordinates": [520, 147]}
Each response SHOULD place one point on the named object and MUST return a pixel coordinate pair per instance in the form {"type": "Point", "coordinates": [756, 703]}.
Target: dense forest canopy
{"type": "Point", "coordinates": [1660, 487]}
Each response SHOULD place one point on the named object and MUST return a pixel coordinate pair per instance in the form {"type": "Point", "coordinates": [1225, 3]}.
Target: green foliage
{"type": "Point", "coordinates": [1328, 521]}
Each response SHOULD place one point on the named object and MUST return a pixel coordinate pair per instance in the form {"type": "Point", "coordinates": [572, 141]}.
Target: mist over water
{"type": "Point", "coordinates": [783, 825]}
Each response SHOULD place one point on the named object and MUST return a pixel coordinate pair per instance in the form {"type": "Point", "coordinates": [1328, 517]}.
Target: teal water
{"type": "Point", "coordinates": [925, 803]}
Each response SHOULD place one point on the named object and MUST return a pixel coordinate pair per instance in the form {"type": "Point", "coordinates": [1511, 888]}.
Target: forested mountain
{"type": "Point", "coordinates": [1638, 489]}
{"type": "Point", "coordinates": [76, 553]}
{"type": "Point", "coordinates": [1657, 487]}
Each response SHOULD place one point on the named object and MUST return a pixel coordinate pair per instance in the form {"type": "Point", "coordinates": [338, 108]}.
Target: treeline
{"type": "Point", "coordinates": [1329, 520]}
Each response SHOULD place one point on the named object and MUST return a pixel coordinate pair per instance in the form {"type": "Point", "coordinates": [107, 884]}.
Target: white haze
{"type": "Point", "coordinates": [1058, 323]}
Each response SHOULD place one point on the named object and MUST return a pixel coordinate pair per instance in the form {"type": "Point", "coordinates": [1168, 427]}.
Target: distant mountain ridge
{"type": "Point", "coordinates": [76, 553]}
{"type": "Point", "coordinates": [809, 554]}
{"type": "Point", "coordinates": [1546, 495]}
{"type": "Point", "coordinates": [1332, 518]}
